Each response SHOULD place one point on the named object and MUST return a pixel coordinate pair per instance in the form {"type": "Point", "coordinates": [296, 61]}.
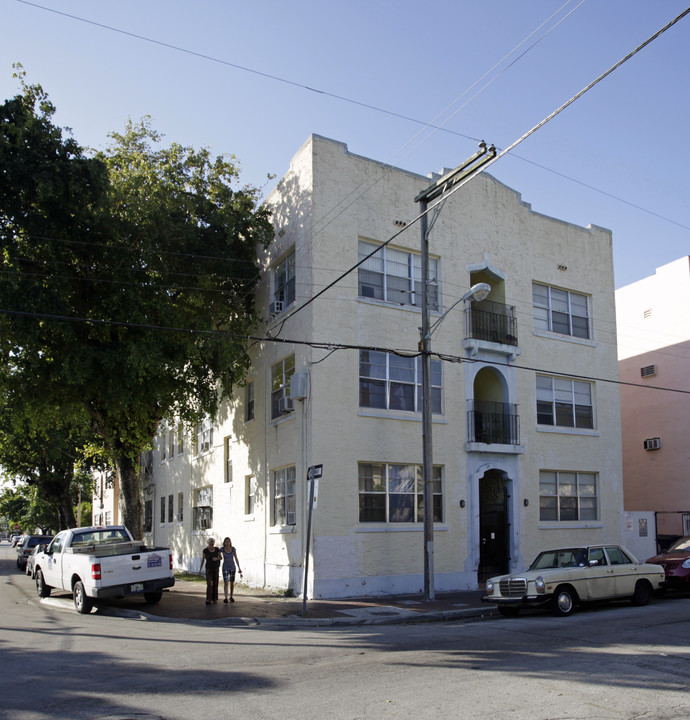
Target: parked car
{"type": "Point", "coordinates": [565, 577]}
{"type": "Point", "coordinates": [16, 539]}
{"type": "Point", "coordinates": [31, 559]}
{"type": "Point", "coordinates": [25, 548]}
{"type": "Point", "coordinates": [676, 564]}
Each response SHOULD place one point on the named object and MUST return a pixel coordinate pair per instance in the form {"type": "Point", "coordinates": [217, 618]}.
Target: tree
{"type": "Point", "coordinates": [101, 252]}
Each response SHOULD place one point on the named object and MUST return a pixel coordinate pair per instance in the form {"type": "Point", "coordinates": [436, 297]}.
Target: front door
{"type": "Point", "coordinates": [494, 556]}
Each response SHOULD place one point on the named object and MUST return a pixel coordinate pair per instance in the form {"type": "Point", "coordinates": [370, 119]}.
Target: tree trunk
{"type": "Point", "coordinates": [130, 494]}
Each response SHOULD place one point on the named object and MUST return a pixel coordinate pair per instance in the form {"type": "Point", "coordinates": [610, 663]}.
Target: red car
{"type": "Point", "coordinates": [676, 564]}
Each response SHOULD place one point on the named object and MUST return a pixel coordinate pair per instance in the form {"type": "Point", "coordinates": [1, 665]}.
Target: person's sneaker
{"type": "Point", "coordinates": [232, 599]}
{"type": "Point", "coordinates": [225, 601]}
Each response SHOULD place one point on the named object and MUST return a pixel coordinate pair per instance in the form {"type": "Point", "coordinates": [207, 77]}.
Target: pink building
{"type": "Point", "coordinates": [653, 320]}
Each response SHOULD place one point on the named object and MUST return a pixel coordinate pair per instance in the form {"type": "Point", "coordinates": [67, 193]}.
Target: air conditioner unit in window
{"type": "Point", "coordinates": [275, 308]}
{"type": "Point", "coordinates": [285, 405]}
{"type": "Point", "coordinates": [652, 443]}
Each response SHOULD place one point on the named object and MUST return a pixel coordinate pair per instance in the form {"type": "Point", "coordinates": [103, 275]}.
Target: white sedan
{"type": "Point", "coordinates": [565, 577]}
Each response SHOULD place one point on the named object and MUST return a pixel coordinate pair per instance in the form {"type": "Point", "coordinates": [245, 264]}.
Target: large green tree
{"type": "Point", "coordinates": [100, 253]}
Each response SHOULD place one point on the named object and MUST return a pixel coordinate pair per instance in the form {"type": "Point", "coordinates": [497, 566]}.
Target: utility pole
{"type": "Point", "coordinates": [437, 190]}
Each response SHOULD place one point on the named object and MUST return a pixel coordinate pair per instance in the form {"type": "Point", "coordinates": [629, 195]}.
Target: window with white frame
{"type": "Point", "coordinates": [204, 436]}
{"type": "Point", "coordinates": [560, 311]}
{"type": "Point", "coordinates": [395, 276]}
{"type": "Point", "coordinates": [171, 508]}
{"type": "Point", "coordinates": [390, 493]}
{"type": "Point", "coordinates": [180, 507]}
{"type": "Point", "coordinates": [180, 438]}
{"type": "Point", "coordinates": [284, 496]}
{"type": "Point", "coordinates": [162, 442]}
{"type": "Point", "coordinates": [171, 443]}
{"type": "Point", "coordinates": [148, 516]}
{"type": "Point", "coordinates": [249, 401]}
{"type": "Point", "coordinates": [162, 520]}
{"type": "Point", "coordinates": [567, 496]}
{"type": "Point", "coordinates": [284, 281]}
{"type": "Point", "coordinates": [564, 402]}
{"type": "Point", "coordinates": [250, 494]}
{"type": "Point", "coordinates": [280, 386]}
{"type": "Point", "coordinates": [203, 508]}
{"type": "Point", "coordinates": [393, 382]}
{"type": "Point", "coordinates": [228, 459]}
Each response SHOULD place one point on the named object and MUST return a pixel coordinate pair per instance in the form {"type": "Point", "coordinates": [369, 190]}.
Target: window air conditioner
{"type": "Point", "coordinates": [284, 405]}
{"type": "Point", "coordinates": [275, 308]}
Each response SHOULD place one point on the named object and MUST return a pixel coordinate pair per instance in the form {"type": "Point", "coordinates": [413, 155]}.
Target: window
{"type": "Point", "coordinates": [284, 281]}
{"type": "Point", "coordinates": [280, 385]}
{"type": "Point", "coordinates": [228, 459]}
{"type": "Point", "coordinates": [567, 496]}
{"type": "Point", "coordinates": [250, 486]}
{"type": "Point", "coordinates": [171, 443]}
{"type": "Point", "coordinates": [284, 498]}
{"type": "Point", "coordinates": [162, 509]}
{"type": "Point", "coordinates": [204, 436]}
{"type": "Point", "coordinates": [392, 382]}
{"type": "Point", "coordinates": [395, 493]}
{"type": "Point", "coordinates": [171, 508]}
{"type": "Point", "coordinates": [564, 402]}
{"type": "Point", "coordinates": [148, 516]}
{"type": "Point", "coordinates": [395, 276]}
{"type": "Point", "coordinates": [180, 507]}
{"type": "Point", "coordinates": [560, 311]}
{"type": "Point", "coordinates": [203, 508]}
{"type": "Point", "coordinates": [180, 439]}
{"type": "Point", "coordinates": [163, 442]}
{"type": "Point", "coordinates": [249, 401]}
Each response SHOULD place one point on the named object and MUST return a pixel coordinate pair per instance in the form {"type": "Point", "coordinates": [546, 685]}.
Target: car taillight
{"type": "Point", "coordinates": [171, 566]}
{"type": "Point", "coordinates": [96, 571]}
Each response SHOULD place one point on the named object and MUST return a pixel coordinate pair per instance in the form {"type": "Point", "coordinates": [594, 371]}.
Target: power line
{"type": "Point", "coordinates": [330, 346]}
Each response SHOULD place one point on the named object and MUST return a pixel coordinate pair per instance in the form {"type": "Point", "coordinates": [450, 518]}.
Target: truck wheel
{"type": "Point", "coordinates": [153, 597]}
{"type": "Point", "coordinates": [82, 602]}
{"type": "Point", "coordinates": [42, 589]}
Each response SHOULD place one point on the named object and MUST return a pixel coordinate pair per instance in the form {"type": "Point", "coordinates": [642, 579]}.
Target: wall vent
{"type": "Point", "coordinates": [648, 370]}
{"type": "Point", "coordinates": [652, 443]}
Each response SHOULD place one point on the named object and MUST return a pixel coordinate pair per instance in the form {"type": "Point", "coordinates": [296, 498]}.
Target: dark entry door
{"type": "Point", "coordinates": [494, 558]}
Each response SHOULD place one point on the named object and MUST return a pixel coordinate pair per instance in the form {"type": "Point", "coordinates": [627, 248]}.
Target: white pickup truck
{"type": "Point", "coordinates": [102, 562]}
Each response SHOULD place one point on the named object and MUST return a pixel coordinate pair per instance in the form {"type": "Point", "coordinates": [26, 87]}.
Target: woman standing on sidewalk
{"type": "Point", "coordinates": [230, 565]}
{"type": "Point", "coordinates": [212, 556]}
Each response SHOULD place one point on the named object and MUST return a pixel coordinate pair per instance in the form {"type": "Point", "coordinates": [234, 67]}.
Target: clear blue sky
{"type": "Point", "coordinates": [617, 158]}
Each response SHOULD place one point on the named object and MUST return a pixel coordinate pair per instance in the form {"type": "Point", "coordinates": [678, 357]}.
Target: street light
{"type": "Point", "coordinates": [438, 190]}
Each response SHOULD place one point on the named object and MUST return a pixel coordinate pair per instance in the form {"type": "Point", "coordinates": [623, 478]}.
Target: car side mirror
{"type": "Point", "coordinates": [593, 563]}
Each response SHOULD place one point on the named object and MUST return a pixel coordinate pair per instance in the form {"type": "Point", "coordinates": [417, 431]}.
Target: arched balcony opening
{"type": "Point", "coordinates": [490, 419]}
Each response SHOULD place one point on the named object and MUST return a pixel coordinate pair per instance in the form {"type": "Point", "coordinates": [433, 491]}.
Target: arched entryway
{"type": "Point", "coordinates": [494, 526]}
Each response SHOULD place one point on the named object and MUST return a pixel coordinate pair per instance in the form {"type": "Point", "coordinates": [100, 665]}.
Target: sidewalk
{"type": "Point", "coordinates": [185, 602]}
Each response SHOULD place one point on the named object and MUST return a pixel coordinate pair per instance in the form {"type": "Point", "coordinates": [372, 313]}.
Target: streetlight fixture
{"type": "Point", "coordinates": [439, 189]}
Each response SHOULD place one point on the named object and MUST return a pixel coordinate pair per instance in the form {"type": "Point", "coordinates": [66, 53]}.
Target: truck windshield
{"type": "Point", "coordinates": [106, 536]}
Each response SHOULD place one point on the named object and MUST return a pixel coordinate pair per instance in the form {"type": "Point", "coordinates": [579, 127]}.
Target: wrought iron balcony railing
{"type": "Point", "coordinates": [493, 422]}
{"type": "Point", "coordinates": [493, 322]}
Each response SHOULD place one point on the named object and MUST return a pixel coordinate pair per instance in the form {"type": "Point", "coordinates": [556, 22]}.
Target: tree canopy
{"type": "Point", "coordinates": [127, 278]}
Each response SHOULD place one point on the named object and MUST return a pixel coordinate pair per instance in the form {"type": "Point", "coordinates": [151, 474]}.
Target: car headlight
{"type": "Point", "coordinates": [686, 564]}
{"type": "Point", "coordinates": [489, 587]}
{"type": "Point", "coordinates": [540, 585]}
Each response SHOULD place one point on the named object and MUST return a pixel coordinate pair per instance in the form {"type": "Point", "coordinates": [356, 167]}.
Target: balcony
{"type": "Point", "coordinates": [492, 322]}
{"type": "Point", "coordinates": [493, 423]}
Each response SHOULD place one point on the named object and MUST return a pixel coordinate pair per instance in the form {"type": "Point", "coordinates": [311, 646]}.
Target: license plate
{"type": "Point", "coordinates": [137, 587]}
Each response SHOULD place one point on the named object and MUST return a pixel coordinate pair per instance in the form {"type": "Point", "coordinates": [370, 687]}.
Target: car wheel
{"type": "Point", "coordinates": [82, 602]}
{"type": "Point", "coordinates": [564, 601]}
{"type": "Point", "coordinates": [642, 594]}
{"type": "Point", "coordinates": [509, 611]}
{"type": "Point", "coordinates": [42, 589]}
{"type": "Point", "coordinates": [153, 597]}
{"type": "Point", "coordinates": [19, 565]}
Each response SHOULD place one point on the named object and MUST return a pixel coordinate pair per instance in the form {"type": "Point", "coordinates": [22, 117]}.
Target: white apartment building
{"type": "Point", "coordinates": [526, 411]}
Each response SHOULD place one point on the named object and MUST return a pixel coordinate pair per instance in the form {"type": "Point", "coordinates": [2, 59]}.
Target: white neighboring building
{"type": "Point", "coordinates": [526, 428]}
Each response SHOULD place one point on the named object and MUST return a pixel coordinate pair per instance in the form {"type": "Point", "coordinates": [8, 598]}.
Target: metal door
{"type": "Point", "coordinates": [494, 556]}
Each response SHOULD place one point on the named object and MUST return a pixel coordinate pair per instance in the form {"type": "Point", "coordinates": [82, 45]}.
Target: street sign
{"type": "Point", "coordinates": [315, 472]}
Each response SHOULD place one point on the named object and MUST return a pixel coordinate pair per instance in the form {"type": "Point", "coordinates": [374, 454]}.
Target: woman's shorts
{"type": "Point", "coordinates": [229, 575]}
